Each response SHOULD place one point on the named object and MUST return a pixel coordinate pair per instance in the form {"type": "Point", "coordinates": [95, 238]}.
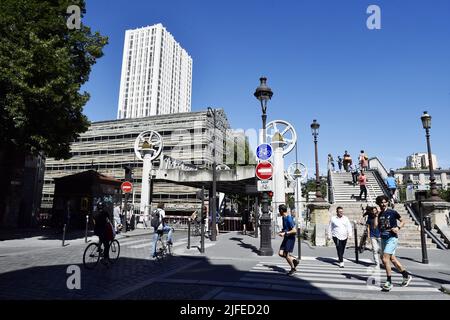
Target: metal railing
{"type": "Point", "coordinates": [435, 239]}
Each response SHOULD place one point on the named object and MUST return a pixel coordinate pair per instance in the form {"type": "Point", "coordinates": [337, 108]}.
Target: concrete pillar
{"type": "Point", "coordinates": [320, 218]}
{"type": "Point", "coordinates": [279, 193]}
{"type": "Point", "coordinates": [439, 211]}
{"type": "Point", "coordinates": [444, 180]}
{"type": "Point", "coordinates": [145, 190]}
{"type": "Point", "coordinates": [422, 180]}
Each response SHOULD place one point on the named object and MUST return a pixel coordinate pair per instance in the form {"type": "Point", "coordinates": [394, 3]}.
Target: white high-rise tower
{"type": "Point", "coordinates": [156, 74]}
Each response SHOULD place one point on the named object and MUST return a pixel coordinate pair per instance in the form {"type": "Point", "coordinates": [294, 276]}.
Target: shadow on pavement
{"type": "Point", "coordinates": [410, 259]}
{"type": "Point", "coordinates": [246, 245]}
{"type": "Point", "coordinates": [174, 278]}
{"type": "Point", "coordinates": [43, 234]}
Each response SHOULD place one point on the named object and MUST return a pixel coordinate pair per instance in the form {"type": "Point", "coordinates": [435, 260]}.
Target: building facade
{"type": "Point", "coordinates": [108, 147]}
{"type": "Point", "coordinates": [421, 178]}
{"type": "Point", "coordinates": [156, 74]}
{"type": "Point", "coordinates": [420, 161]}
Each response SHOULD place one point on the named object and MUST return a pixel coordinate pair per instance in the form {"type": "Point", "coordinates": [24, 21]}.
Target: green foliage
{"type": "Point", "coordinates": [310, 186]}
{"type": "Point", "coordinates": [444, 194]}
{"type": "Point", "coordinates": [42, 67]}
{"type": "Point", "coordinates": [239, 148]}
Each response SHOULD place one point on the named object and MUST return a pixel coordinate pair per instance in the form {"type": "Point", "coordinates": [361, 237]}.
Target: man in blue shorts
{"type": "Point", "coordinates": [387, 223]}
{"type": "Point", "coordinates": [288, 233]}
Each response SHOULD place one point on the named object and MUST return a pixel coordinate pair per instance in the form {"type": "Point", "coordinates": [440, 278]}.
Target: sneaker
{"type": "Point", "coordinates": [406, 281]}
{"type": "Point", "coordinates": [292, 272]}
{"type": "Point", "coordinates": [341, 264]}
{"type": "Point", "coordinates": [387, 286]}
{"type": "Point", "coordinates": [296, 262]}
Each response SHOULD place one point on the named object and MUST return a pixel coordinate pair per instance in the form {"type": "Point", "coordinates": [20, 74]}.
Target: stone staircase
{"type": "Point", "coordinates": [345, 192]}
{"type": "Point", "coordinates": [409, 236]}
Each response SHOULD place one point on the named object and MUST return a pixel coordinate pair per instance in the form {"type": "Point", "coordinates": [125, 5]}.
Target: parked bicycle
{"type": "Point", "coordinates": [94, 252]}
{"type": "Point", "coordinates": [163, 248]}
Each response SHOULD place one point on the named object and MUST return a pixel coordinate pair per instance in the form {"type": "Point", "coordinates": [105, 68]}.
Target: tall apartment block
{"type": "Point", "coordinates": [420, 160]}
{"type": "Point", "coordinates": [156, 76]}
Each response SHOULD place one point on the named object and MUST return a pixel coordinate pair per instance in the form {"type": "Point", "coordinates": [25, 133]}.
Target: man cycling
{"type": "Point", "coordinates": [160, 228]}
{"type": "Point", "coordinates": [101, 219]}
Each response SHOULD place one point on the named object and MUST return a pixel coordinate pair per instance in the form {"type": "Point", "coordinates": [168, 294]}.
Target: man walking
{"type": "Point", "coordinates": [362, 179]}
{"type": "Point", "coordinates": [339, 163]}
{"type": "Point", "coordinates": [392, 186]}
{"type": "Point", "coordinates": [288, 233]}
{"type": "Point", "coordinates": [340, 229]}
{"type": "Point", "coordinates": [387, 223]}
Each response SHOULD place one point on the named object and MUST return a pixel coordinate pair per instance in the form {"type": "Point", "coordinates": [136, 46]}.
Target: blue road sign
{"type": "Point", "coordinates": [264, 151]}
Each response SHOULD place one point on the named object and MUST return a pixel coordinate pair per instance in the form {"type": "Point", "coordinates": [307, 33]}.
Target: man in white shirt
{"type": "Point", "coordinates": [340, 229]}
{"type": "Point", "coordinates": [160, 229]}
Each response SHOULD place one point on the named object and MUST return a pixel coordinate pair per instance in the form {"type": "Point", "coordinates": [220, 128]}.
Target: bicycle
{"type": "Point", "coordinates": [163, 248]}
{"type": "Point", "coordinates": [94, 252]}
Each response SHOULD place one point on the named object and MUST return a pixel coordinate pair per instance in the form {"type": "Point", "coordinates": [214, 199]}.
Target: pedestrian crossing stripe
{"type": "Point", "coordinates": [142, 243]}
{"type": "Point", "coordinates": [322, 275]}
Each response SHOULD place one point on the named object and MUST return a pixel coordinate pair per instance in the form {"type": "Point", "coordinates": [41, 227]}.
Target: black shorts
{"type": "Point", "coordinates": [288, 244]}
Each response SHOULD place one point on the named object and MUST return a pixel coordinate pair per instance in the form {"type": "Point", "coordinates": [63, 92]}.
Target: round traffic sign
{"type": "Point", "coordinates": [126, 187]}
{"type": "Point", "coordinates": [264, 170]}
{"type": "Point", "coordinates": [264, 151]}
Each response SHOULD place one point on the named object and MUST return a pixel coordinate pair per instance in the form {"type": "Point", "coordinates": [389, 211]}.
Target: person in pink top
{"type": "Point", "coordinates": [362, 180]}
{"type": "Point", "coordinates": [363, 161]}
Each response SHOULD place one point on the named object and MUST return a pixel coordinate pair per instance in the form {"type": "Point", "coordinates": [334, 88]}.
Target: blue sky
{"type": "Point", "coordinates": [367, 88]}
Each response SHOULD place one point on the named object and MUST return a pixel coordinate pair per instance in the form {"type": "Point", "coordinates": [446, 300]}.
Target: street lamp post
{"type": "Point", "coordinates": [426, 122]}
{"type": "Point", "coordinates": [263, 93]}
{"type": "Point", "coordinates": [421, 196]}
{"type": "Point", "coordinates": [212, 113]}
{"type": "Point", "coordinates": [315, 132]}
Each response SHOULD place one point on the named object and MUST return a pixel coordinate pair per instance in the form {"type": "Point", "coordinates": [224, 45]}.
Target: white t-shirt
{"type": "Point", "coordinates": [340, 228]}
{"type": "Point", "coordinates": [162, 214]}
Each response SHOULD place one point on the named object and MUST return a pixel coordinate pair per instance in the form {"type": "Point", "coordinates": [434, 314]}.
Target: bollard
{"type": "Point", "coordinates": [356, 243]}
{"type": "Point", "coordinates": [64, 234]}
{"type": "Point", "coordinates": [299, 244]}
{"type": "Point", "coordinates": [189, 234]}
{"type": "Point", "coordinates": [86, 232]}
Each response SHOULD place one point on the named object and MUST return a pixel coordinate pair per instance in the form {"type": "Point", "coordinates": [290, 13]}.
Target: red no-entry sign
{"type": "Point", "coordinates": [126, 187]}
{"type": "Point", "coordinates": [264, 170]}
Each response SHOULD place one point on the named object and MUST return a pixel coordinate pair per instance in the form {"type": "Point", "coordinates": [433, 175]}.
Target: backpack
{"type": "Point", "coordinates": [156, 219]}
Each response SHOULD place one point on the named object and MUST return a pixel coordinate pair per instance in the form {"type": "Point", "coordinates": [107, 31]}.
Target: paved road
{"type": "Point", "coordinates": [230, 269]}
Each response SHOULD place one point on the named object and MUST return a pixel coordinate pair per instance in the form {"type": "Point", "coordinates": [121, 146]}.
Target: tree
{"type": "Point", "coordinates": [43, 64]}
{"type": "Point", "coordinates": [241, 153]}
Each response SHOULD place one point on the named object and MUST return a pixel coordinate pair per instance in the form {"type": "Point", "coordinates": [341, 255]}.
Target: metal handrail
{"type": "Point", "coordinates": [384, 172]}
{"type": "Point", "coordinates": [436, 240]}
{"type": "Point", "coordinates": [382, 184]}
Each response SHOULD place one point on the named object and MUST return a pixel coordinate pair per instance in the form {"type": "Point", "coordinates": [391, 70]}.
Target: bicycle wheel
{"type": "Point", "coordinates": [114, 251]}
{"type": "Point", "coordinates": [160, 250]}
{"type": "Point", "coordinates": [91, 256]}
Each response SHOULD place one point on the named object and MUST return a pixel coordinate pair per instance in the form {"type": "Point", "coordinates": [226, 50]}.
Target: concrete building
{"type": "Point", "coordinates": [108, 146]}
{"type": "Point", "coordinates": [420, 161]}
{"type": "Point", "coordinates": [156, 74]}
{"type": "Point", "coordinates": [421, 178]}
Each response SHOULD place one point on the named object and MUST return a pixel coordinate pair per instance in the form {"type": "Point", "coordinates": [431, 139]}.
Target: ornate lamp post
{"type": "Point", "coordinates": [426, 122]}
{"type": "Point", "coordinates": [315, 132]}
{"type": "Point", "coordinates": [263, 93]}
{"type": "Point", "coordinates": [212, 113]}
